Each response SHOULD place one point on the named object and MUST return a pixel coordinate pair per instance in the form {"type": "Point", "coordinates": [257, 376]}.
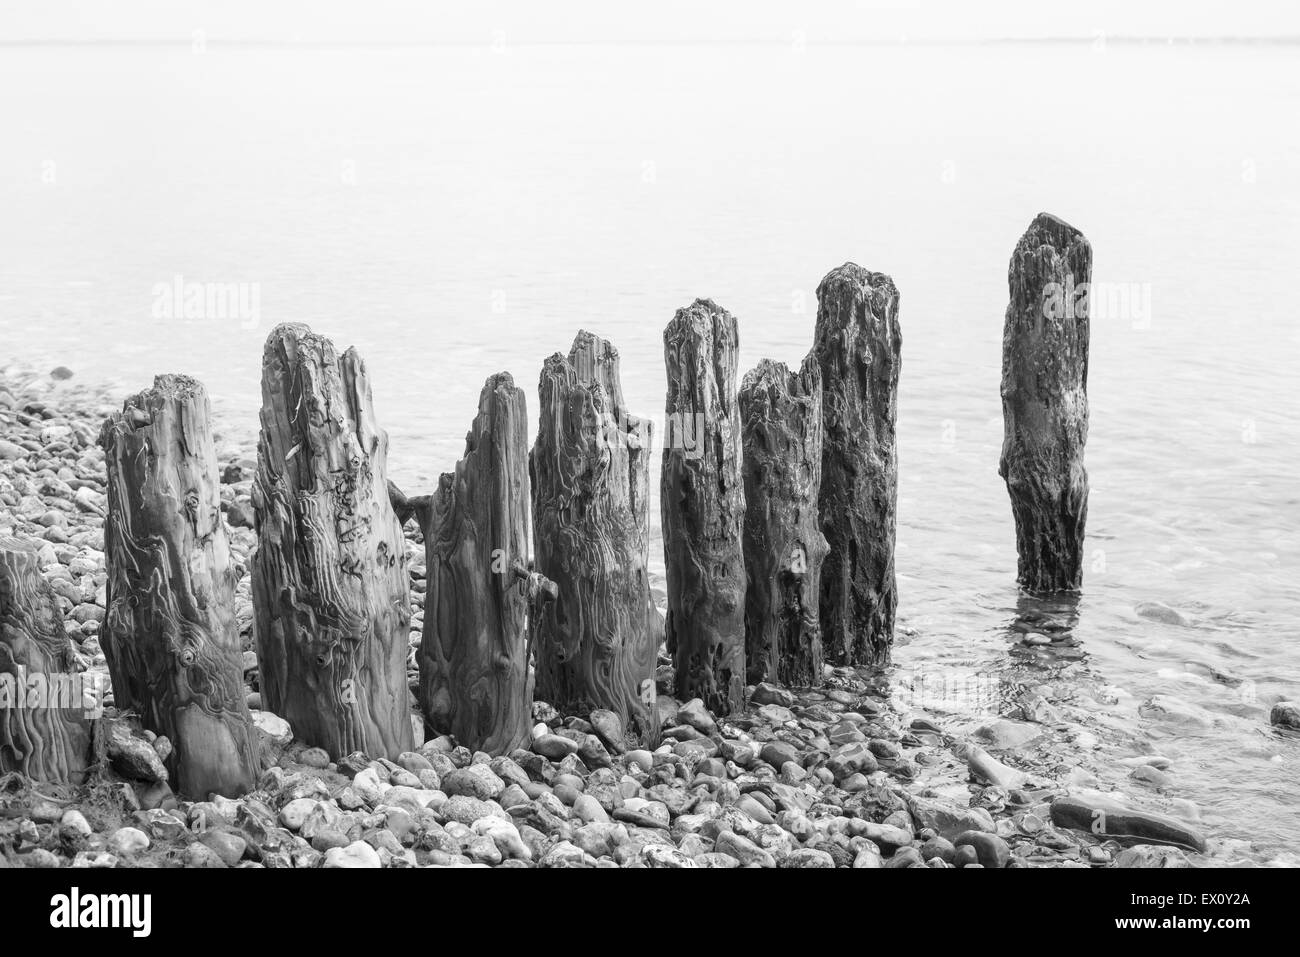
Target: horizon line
{"type": "Point", "coordinates": [900, 40]}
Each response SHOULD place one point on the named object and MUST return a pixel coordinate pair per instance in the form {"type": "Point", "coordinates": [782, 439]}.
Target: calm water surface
{"type": "Point", "coordinates": [456, 212]}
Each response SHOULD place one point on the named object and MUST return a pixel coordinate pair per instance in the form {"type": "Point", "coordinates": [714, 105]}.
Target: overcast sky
{"type": "Point", "coordinates": [524, 21]}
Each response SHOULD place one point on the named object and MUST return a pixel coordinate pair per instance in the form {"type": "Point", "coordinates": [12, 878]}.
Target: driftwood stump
{"type": "Point", "coordinates": [858, 346]}
{"type": "Point", "coordinates": [595, 646]}
{"type": "Point", "coordinates": [330, 589]}
{"type": "Point", "coordinates": [703, 507]}
{"type": "Point", "coordinates": [1045, 402]}
{"type": "Point", "coordinates": [473, 657]}
{"type": "Point", "coordinates": [44, 730]}
{"type": "Point", "coordinates": [781, 419]}
{"type": "Point", "coordinates": [170, 635]}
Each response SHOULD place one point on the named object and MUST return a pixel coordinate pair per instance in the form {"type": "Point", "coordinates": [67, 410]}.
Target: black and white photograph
{"type": "Point", "coordinates": [564, 435]}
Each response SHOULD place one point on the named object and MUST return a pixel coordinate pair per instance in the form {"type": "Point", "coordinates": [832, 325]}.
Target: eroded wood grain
{"type": "Point", "coordinates": [1045, 402]}
{"type": "Point", "coordinates": [858, 346]}
{"type": "Point", "coordinates": [702, 504]}
{"type": "Point", "coordinates": [781, 422]}
{"type": "Point", "coordinates": [595, 646]}
{"type": "Point", "coordinates": [330, 588]}
{"type": "Point", "coordinates": [44, 730]}
{"type": "Point", "coordinates": [170, 634]}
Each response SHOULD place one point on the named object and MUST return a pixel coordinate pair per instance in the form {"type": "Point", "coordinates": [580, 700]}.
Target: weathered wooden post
{"type": "Point", "coordinates": [170, 635]}
{"type": "Point", "coordinates": [330, 588]}
{"type": "Point", "coordinates": [473, 656]}
{"type": "Point", "coordinates": [858, 346]}
{"type": "Point", "coordinates": [1045, 402]}
{"type": "Point", "coordinates": [781, 419]}
{"type": "Point", "coordinates": [595, 646]}
{"type": "Point", "coordinates": [49, 738]}
{"type": "Point", "coordinates": [702, 502]}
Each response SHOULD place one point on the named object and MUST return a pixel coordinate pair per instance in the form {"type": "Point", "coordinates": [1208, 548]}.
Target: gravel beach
{"type": "Point", "coordinates": [842, 775]}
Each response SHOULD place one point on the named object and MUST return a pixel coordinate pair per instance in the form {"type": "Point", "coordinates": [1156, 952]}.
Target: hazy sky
{"type": "Point", "coordinates": [524, 21]}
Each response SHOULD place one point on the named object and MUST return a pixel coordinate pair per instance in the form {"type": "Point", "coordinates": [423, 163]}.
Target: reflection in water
{"type": "Point", "coordinates": [1042, 644]}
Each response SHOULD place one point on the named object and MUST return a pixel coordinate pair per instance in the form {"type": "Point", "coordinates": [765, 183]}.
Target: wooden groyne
{"type": "Point", "coordinates": [781, 416]}
{"type": "Point", "coordinates": [170, 634]}
{"type": "Point", "coordinates": [702, 503]}
{"type": "Point", "coordinates": [596, 645]}
{"type": "Point", "coordinates": [330, 587]}
{"type": "Point", "coordinates": [1045, 402]}
{"type": "Point", "coordinates": [858, 346]}
{"type": "Point", "coordinates": [778, 510]}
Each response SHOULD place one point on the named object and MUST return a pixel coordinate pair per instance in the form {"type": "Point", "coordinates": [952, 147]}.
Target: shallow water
{"type": "Point", "coordinates": [455, 212]}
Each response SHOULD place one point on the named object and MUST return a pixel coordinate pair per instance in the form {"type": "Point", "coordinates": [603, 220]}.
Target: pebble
{"type": "Point", "coordinates": [133, 757]}
{"type": "Point", "coordinates": [1152, 855]}
{"type": "Point", "coordinates": [199, 855]}
{"type": "Point", "coordinates": [295, 814]}
{"type": "Point", "coordinates": [695, 715]}
{"type": "Point", "coordinates": [966, 856]}
{"type": "Point", "coordinates": [477, 781]}
{"type": "Point", "coordinates": [751, 806]}
{"type": "Point", "coordinates": [555, 747]}
{"type": "Point", "coordinates": [587, 809]}
{"type": "Point", "coordinates": [1104, 817]}
{"type": "Point", "coordinates": [609, 729]}
{"type": "Point", "coordinates": [227, 846]}
{"type": "Point", "coordinates": [664, 855]}
{"type": "Point", "coordinates": [939, 847]}
{"type": "Point", "coordinates": [990, 850]}
{"type": "Point", "coordinates": [128, 841]}
{"type": "Point", "coordinates": [356, 854]}
{"type": "Point", "coordinates": [743, 850]}
{"type": "Point", "coordinates": [74, 822]}
{"type": "Point", "coordinates": [1285, 714]}
{"type": "Point", "coordinates": [947, 818]}
{"type": "Point", "coordinates": [314, 758]}
{"type": "Point", "coordinates": [273, 726]}
{"type": "Point", "coordinates": [777, 753]}
{"type": "Point", "coordinates": [466, 809]}
{"type": "Point", "coordinates": [808, 857]}
{"type": "Point", "coordinates": [765, 693]}
{"type": "Point", "coordinates": [641, 758]}
{"type": "Point", "coordinates": [1004, 734]}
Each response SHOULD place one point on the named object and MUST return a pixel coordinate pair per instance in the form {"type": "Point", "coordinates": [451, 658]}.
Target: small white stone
{"type": "Point", "coordinates": [128, 840]}
{"type": "Point", "coordinates": [356, 854]}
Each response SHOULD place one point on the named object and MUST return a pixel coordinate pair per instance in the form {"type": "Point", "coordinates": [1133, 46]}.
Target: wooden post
{"type": "Point", "coordinates": [858, 346]}
{"type": "Point", "coordinates": [595, 646]}
{"type": "Point", "coordinates": [1045, 402]}
{"type": "Point", "coordinates": [703, 507]}
{"type": "Point", "coordinates": [473, 657]}
{"type": "Point", "coordinates": [330, 589]}
{"type": "Point", "coordinates": [41, 740]}
{"type": "Point", "coordinates": [781, 416]}
{"type": "Point", "coordinates": [170, 635]}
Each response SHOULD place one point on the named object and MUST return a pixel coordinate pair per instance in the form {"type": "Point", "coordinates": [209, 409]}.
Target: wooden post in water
{"type": "Point", "coordinates": [473, 657]}
{"type": "Point", "coordinates": [858, 347]}
{"type": "Point", "coordinates": [330, 588]}
{"type": "Point", "coordinates": [781, 419]}
{"type": "Point", "coordinates": [703, 507]}
{"type": "Point", "coordinates": [170, 634]}
{"type": "Point", "coordinates": [595, 646]}
{"type": "Point", "coordinates": [1045, 402]}
{"type": "Point", "coordinates": [45, 743]}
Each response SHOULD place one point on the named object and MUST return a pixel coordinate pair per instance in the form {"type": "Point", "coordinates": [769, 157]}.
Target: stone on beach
{"type": "Point", "coordinates": [1285, 714]}
{"type": "Point", "coordinates": [356, 854]}
{"type": "Point", "coordinates": [1105, 817]}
